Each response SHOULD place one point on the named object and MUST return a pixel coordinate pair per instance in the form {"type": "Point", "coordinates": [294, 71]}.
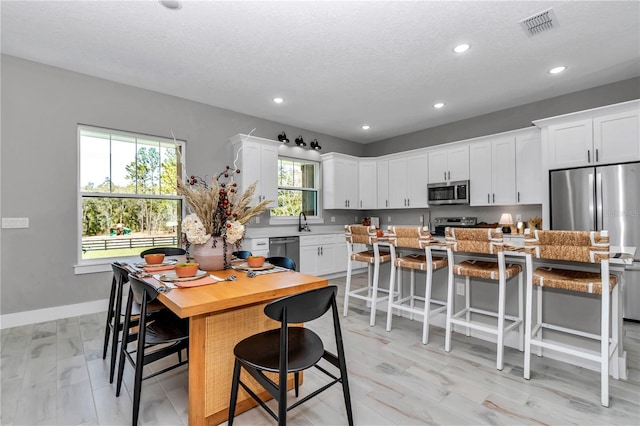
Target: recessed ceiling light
{"type": "Point", "coordinates": [461, 48]}
{"type": "Point", "coordinates": [366, 127]}
{"type": "Point", "coordinates": [438, 105]}
{"type": "Point", "coordinates": [278, 100]}
{"type": "Point", "coordinates": [557, 70]}
{"type": "Point", "coordinates": [171, 4]}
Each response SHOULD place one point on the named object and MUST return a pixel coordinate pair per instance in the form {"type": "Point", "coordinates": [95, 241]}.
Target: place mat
{"type": "Point", "coordinates": [270, 271]}
{"type": "Point", "coordinates": [195, 283]}
{"type": "Point", "coordinates": [171, 276]}
{"type": "Point", "coordinates": [243, 266]}
{"type": "Point", "coordinates": [158, 268]}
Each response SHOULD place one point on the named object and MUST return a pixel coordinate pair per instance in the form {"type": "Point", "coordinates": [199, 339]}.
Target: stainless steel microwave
{"type": "Point", "coordinates": [449, 193]}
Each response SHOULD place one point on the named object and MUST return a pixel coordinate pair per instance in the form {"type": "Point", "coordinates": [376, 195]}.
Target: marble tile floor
{"type": "Point", "coordinates": [53, 374]}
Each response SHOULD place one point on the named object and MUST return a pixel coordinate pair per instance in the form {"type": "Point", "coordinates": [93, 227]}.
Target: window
{"type": "Point", "coordinates": [297, 187]}
{"type": "Point", "coordinates": [127, 192]}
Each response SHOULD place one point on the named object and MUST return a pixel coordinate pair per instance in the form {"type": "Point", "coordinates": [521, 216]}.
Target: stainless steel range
{"type": "Point", "coordinates": [440, 223]}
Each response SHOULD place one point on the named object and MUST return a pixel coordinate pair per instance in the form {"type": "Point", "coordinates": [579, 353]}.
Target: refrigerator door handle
{"type": "Point", "coordinates": [599, 206]}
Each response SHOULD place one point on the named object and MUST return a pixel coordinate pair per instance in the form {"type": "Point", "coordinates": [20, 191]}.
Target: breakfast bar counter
{"type": "Point", "coordinates": [220, 315]}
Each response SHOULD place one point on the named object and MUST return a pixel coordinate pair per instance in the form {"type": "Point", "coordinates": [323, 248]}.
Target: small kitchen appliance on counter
{"type": "Point", "coordinates": [440, 223]}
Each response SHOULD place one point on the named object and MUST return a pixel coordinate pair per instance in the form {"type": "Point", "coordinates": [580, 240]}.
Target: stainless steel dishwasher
{"type": "Point", "coordinates": [286, 247]}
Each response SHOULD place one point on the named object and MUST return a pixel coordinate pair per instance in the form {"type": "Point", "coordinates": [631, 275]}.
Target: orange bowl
{"type": "Point", "coordinates": [255, 261]}
{"type": "Point", "coordinates": [186, 270]}
{"type": "Point", "coordinates": [154, 259]}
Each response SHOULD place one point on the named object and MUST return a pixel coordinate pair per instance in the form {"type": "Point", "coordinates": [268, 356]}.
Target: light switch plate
{"type": "Point", "coordinates": [15, 222]}
{"type": "Point", "coordinates": [460, 289]}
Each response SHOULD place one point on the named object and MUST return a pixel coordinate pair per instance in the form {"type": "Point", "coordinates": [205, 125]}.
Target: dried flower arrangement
{"type": "Point", "coordinates": [217, 209]}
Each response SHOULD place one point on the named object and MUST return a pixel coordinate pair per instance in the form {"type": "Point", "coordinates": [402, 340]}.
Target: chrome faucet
{"type": "Point", "coordinates": [301, 227]}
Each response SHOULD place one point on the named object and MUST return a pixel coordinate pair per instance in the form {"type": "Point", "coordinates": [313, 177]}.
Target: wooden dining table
{"type": "Point", "coordinates": [220, 315]}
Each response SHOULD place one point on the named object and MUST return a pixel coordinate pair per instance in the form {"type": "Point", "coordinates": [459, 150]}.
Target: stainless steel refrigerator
{"type": "Point", "coordinates": [597, 198]}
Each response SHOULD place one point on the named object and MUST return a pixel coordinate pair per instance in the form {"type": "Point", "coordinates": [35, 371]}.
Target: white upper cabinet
{"type": "Point", "coordinates": [616, 137]}
{"type": "Point", "coordinates": [594, 137]}
{"type": "Point", "coordinates": [450, 164]}
{"type": "Point", "coordinates": [367, 179]}
{"type": "Point", "coordinates": [493, 171]}
{"type": "Point", "coordinates": [340, 181]}
{"type": "Point", "coordinates": [258, 162]}
{"type": "Point", "coordinates": [383, 183]}
{"type": "Point", "coordinates": [408, 181]}
{"type": "Point", "coordinates": [528, 167]}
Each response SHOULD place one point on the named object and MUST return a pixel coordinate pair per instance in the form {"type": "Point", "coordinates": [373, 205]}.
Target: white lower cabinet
{"type": "Point", "coordinates": [257, 246]}
{"type": "Point", "coordinates": [322, 254]}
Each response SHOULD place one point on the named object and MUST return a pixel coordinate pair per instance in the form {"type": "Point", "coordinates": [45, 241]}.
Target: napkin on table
{"type": "Point", "coordinates": [195, 283]}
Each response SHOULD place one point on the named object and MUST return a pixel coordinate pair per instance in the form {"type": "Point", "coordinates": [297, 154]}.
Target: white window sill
{"type": "Point", "coordinates": [100, 265]}
{"type": "Point", "coordinates": [315, 220]}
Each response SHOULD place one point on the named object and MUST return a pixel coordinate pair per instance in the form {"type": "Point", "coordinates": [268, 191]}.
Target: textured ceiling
{"type": "Point", "coordinates": [338, 65]}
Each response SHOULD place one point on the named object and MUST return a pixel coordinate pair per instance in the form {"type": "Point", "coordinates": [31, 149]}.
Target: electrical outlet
{"type": "Point", "coordinates": [389, 219]}
{"type": "Point", "coordinates": [421, 219]}
{"type": "Point", "coordinates": [460, 289]}
{"type": "Point", "coordinates": [15, 222]}
{"type": "Point", "coordinates": [257, 219]}
{"type": "Point", "coordinates": [333, 218]}
{"type": "Point", "coordinates": [518, 218]}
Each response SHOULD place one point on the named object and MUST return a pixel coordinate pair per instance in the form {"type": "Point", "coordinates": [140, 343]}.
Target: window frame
{"type": "Point", "coordinates": [316, 219]}
{"type": "Point", "coordinates": [104, 264]}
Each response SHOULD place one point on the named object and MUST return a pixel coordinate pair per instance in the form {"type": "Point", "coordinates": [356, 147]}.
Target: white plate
{"type": "Point", "coordinates": [171, 276]}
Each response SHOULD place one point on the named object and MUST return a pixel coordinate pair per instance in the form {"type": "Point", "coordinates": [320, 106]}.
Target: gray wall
{"type": "Point", "coordinates": [510, 119]}
{"type": "Point", "coordinates": [41, 107]}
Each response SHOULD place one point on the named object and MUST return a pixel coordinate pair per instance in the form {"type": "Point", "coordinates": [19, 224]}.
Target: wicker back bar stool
{"type": "Point", "coordinates": [415, 237]}
{"type": "Point", "coordinates": [360, 234]}
{"type": "Point", "coordinates": [490, 242]}
{"type": "Point", "coordinates": [586, 247]}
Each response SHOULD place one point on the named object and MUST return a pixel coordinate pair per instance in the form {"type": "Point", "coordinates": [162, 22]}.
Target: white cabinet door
{"type": "Point", "coordinates": [492, 172]}
{"type": "Point", "coordinates": [480, 174]}
{"type": "Point", "coordinates": [529, 168]}
{"type": "Point", "coordinates": [367, 178]}
{"type": "Point", "coordinates": [309, 259]}
{"type": "Point", "coordinates": [446, 165]}
{"type": "Point", "coordinates": [398, 183]}
{"type": "Point", "coordinates": [438, 166]}
{"type": "Point", "coordinates": [339, 181]}
{"type": "Point", "coordinates": [383, 183]}
{"type": "Point", "coordinates": [458, 162]}
{"type": "Point", "coordinates": [417, 177]}
{"type": "Point", "coordinates": [258, 162]}
{"type": "Point", "coordinates": [503, 171]}
{"type": "Point", "coordinates": [340, 255]}
{"type": "Point", "coordinates": [571, 144]}
{"type": "Point", "coordinates": [616, 138]}
{"type": "Point", "coordinates": [326, 259]}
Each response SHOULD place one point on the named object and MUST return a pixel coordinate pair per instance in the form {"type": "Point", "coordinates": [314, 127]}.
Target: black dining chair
{"type": "Point", "coordinates": [283, 262]}
{"type": "Point", "coordinates": [291, 349]}
{"type": "Point", "coordinates": [242, 254]}
{"type": "Point", "coordinates": [167, 251]}
{"type": "Point", "coordinates": [161, 335]}
{"type": "Point", "coordinates": [115, 314]}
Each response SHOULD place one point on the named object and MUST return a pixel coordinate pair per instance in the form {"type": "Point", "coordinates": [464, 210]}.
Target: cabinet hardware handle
{"type": "Point", "coordinates": [449, 175]}
{"type": "Point", "coordinates": [408, 202]}
{"type": "Point", "coordinates": [588, 156]}
{"type": "Point", "coordinates": [596, 155]}
{"type": "Point", "coordinates": [386, 203]}
{"type": "Point", "coordinates": [318, 251]}
{"type": "Point", "coordinates": [494, 197]}
{"type": "Point", "coordinates": [261, 244]}
{"type": "Point", "coordinates": [321, 251]}
{"type": "Point", "coordinates": [360, 203]}
{"type": "Point", "coordinates": [488, 198]}
{"type": "Point", "coordinates": [518, 196]}
{"type": "Point", "coordinates": [445, 175]}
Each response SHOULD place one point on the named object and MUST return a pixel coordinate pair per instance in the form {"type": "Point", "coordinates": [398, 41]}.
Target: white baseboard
{"type": "Point", "coordinates": [50, 314]}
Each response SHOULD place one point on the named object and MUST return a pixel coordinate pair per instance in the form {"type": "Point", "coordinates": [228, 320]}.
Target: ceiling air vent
{"type": "Point", "coordinates": [543, 21]}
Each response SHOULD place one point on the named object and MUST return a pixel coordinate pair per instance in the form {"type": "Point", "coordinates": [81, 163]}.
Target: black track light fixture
{"type": "Point", "coordinates": [315, 145]}
{"type": "Point", "coordinates": [282, 137]}
{"type": "Point", "coordinates": [300, 141]}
